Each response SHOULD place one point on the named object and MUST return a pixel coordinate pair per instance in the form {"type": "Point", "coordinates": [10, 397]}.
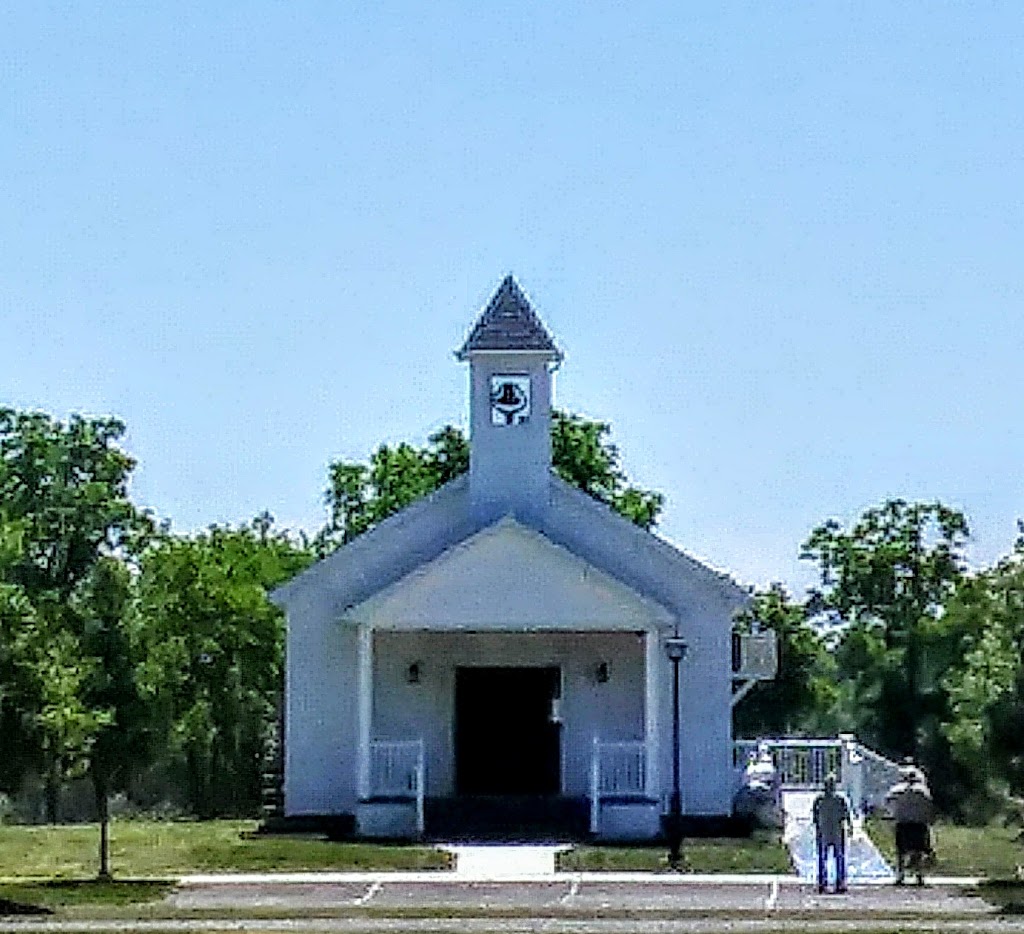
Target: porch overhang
{"type": "Point", "coordinates": [509, 577]}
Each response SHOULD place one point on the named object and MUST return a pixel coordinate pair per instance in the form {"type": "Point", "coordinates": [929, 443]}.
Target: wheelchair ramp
{"type": "Point", "coordinates": [863, 861]}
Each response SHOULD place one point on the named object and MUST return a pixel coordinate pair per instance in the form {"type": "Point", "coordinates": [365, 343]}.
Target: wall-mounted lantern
{"type": "Point", "coordinates": [413, 673]}
{"type": "Point", "coordinates": [601, 673]}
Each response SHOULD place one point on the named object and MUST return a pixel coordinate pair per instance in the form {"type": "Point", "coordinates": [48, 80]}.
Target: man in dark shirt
{"type": "Point", "coordinates": [831, 822]}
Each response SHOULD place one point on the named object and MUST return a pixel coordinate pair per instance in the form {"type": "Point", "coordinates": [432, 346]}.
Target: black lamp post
{"type": "Point", "coordinates": [675, 649]}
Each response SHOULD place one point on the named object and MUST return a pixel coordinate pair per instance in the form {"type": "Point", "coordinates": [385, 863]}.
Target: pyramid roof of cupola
{"type": "Point", "coordinates": [509, 323]}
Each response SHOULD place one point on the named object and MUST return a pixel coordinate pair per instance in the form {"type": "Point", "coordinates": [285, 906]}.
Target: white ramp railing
{"type": "Point", "coordinates": [809, 764]}
{"type": "Point", "coordinates": [801, 763]}
{"type": "Point", "coordinates": [863, 775]}
{"type": "Point", "coordinates": [617, 770]}
{"type": "Point", "coordinates": [877, 776]}
{"type": "Point", "coordinates": [397, 771]}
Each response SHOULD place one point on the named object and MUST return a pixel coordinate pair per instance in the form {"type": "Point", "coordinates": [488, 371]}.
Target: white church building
{"type": "Point", "coordinates": [499, 646]}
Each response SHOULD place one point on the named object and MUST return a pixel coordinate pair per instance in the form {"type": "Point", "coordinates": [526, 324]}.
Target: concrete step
{"type": "Point", "coordinates": [509, 818]}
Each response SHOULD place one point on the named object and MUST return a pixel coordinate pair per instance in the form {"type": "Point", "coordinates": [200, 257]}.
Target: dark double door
{"type": "Point", "coordinates": [506, 740]}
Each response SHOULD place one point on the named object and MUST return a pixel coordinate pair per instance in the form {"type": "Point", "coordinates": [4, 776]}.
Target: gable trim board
{"type": "Point", "coordinates": [405, 542]}
{"type": "Point", "coordinates": [467, 587]}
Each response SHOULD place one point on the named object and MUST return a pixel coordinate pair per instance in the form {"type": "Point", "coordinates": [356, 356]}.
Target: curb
{"type": "Point", "coordinates": [449, 876]}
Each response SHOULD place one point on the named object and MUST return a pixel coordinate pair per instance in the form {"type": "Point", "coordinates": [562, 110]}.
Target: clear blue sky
{"type": "Point", "coordinates": [781, 244]}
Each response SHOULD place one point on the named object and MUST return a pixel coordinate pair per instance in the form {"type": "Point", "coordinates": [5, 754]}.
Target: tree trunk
{"type": "Point", "coordinates": [197, 787]}
{"type": "Point", "coordinates": [99, 784]}
{"type": "Point", "coordinates": [52, 790]}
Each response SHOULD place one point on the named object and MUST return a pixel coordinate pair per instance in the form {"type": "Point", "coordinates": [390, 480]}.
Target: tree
{"type": "Point", "coordinates": [18, 701]}
{"type": "Point", "coordinates": [802, 695]}
{"type": "Point", "coordinates": [448, 454]}
{"type": "Point", "coordinates": [583, 455]}
{"type": "Point", "coordinates": [69, 693]}
{"type": "Point", "coordinates": [359, 496]}
{"type": "Point", "coordinates": [67, 726]}
{"type": "Point", "coordinates": [886, 581]}
{"type": "Point", "coordinates": [105, 605]}
{"type": "Point", "coordinates": [64, 486]}
{"type": "Point", "coordinates": [212, 645]}
{"type": "Point", "coordinates": [986, 683]}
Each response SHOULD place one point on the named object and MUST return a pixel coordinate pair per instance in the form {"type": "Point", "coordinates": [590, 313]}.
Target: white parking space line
{"type": "Point", "coordinates": [370, 892]}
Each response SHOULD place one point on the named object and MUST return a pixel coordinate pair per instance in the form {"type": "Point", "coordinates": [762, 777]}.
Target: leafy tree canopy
{"type": "Point", "coordinates": [803, 693]}
{"type": "Point", "coordinates": [886, 581]}
{"type": "Point", "coordinates": [213, 647]}
{"type": "Point", "coordinates": [896, 566]}
{"type": "Point", "coordinates": [359, 496]}
{"type": "Point", "coordinates": [18, 683]}
{"type": "Point", "coordinates": [64, 496]}
{"type": "Point", "coordinates": [986, 685]}
{"type": "Point", "coordinates": [66, 486]}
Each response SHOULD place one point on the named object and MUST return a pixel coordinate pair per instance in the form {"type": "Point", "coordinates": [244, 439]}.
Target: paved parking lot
{"type": "Point", "coordinates": [577, 895]}
{"type": "Point", "coordinates": [565, 905]}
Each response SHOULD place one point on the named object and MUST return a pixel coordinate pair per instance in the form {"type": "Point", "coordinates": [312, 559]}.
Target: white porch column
{"type": "Point", "coordinates": [365, 668]}
{"type": "Point", "coordinates": [652, 704]}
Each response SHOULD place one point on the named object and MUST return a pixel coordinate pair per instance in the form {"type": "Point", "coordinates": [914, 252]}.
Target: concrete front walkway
{"type": "Point", "coordinates": [482, 862]}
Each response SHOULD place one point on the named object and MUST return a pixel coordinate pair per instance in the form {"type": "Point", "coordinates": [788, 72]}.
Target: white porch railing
{"type": "Point", "coordinates": [863, 775]}
{"type": "Point", "coordinates": [617, 770]}
{"type": "Point", "coordinates": [397, 771]}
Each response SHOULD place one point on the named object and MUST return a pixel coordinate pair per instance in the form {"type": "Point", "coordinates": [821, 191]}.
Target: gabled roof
{"type": "Point", "coordinates": [467, 587]}
{"type": "Point", "coordinates": [398, 545]}
{"type": "Point", "coordinates": [643, 559]}
{"type": "Point", "coordinates": [509, 323]}
{"type": "Point", "coordinates": [599, 537]}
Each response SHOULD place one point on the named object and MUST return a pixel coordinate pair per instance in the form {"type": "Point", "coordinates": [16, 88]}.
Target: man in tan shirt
{"type": "Point", "coordinates": [909, 802]}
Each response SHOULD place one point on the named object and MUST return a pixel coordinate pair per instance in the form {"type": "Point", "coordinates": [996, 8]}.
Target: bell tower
{"type": "Point", "coordinates": [511, 359]}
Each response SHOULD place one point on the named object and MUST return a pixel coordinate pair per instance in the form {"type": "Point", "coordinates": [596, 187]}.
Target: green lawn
{"type": "Point", "coordinates": [763, 852]}
{"type": "Point", "coordinates": [1006, 895]}
{"type": "Point", "coordinates": [162, 849]}
{"type": "Point", "coordinates": [18, 898]}
{"type": "Point", "coordinates": [991, 851]}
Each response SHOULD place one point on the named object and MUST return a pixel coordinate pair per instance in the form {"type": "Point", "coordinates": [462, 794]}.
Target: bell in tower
{"type": "Point", "coordinates": [510, 399]}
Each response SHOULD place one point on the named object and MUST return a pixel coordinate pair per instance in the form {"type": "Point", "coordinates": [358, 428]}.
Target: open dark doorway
{"type": "Point", "coordinates": [506, 742]}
